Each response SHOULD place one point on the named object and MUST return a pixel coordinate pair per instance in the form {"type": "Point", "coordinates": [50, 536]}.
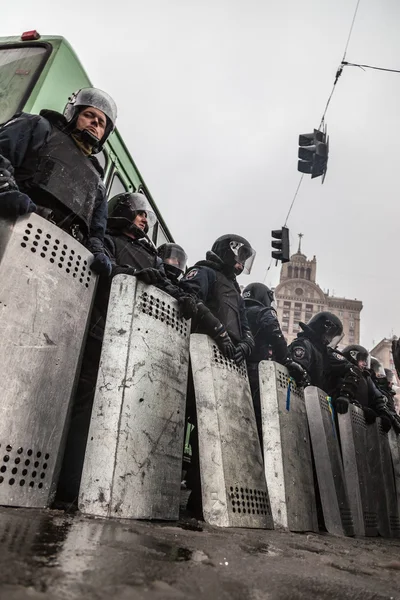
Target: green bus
{"type": "Point", "coordinates": [41, 72]}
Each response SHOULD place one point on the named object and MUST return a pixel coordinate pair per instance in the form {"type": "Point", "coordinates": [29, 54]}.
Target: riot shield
{"type": "Point", "coordinates": [394, 443]}
{"type": "Point", "coordinates": [233, 485]}
{"type": "Point", "coordinates": [328, 463]}
{"type": "Point", "coordinates": [375, 475]}
{"type": "Point", "coordinates": [45, 300]}
{"type": "Point", "coordinates": [287, 450]}
{"type": "Point", "coordinates": [353, 441]}
{"type": "Point", "coordinates": [133, 460]}
{"type": "Point", "coordinates": [389, 489]}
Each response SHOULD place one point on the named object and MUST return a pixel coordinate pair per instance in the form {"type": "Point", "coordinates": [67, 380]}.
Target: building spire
{"type": "Point", "coordinates": [300, 236]}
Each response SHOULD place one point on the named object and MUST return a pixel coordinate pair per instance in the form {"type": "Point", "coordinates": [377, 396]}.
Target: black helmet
{"type": "Point", "coordinates": [377, 368]}
{"type": "Point", "coordinates": [124, 208]}
{"type": "Point", "coordinates": [355, 354]}
{"type": "Point", "coordinates": [98, 99]}
{"type": "Point", "coordinates": [174, 258]}
{"type": "Point", "coordinates": [232, 250]}
{"type": "Point", "coordinates": [390, 376]}
{"type": "Point", "coordinates": [259, 292]}
{"type": "Point", "coordinates": [325, 326]}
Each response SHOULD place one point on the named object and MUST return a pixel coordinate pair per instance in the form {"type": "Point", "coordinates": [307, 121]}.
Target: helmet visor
{"type": "Point", "coordinates": [244, 255]}
{"type": "Point", "coordinates": [139, 203]}
{"type": "Point", "coordinates": [335, 341]}
{"type": "Point", "coordinates": [175, 257]}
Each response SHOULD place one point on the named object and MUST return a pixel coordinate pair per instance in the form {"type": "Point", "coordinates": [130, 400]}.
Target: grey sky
{"type": "Point", "coordinates": [212, 96]}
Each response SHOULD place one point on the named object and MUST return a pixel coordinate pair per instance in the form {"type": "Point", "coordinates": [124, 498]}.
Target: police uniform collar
{"type": "Point", "coordinates": [55, 118]}
{"type": "Point", "coordinates": [213, 261]}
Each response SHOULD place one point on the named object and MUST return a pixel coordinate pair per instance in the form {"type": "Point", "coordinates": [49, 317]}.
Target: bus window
{"type": "Point", "coordinates": [161, 237]}
{"type": "Point", "coordinates": [117, 186]}
{"type": "Point", "coordinates": [103, 160]}
{"type": "Point", "coordinates": [19, 69]}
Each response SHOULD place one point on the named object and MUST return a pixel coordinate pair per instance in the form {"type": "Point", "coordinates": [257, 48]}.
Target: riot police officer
{"type": "Point", "coordinates": [356, 387]}
{"type": "Point", "coordinates": [310, 348]}
{"type": "Point", "coordinates": [48, 165]}
{"type": "Point", "coordinates": [379, 377]}
{"type": "Point", "coordinates": [270, 343]}
{"type": "Point", "coordinates": [221, 313]}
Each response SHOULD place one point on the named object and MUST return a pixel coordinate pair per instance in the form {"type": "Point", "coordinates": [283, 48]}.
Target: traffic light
{"type": "Point", "coordinates": [282, 244]}
{"type": "Point", "coordinates": [313, 153]}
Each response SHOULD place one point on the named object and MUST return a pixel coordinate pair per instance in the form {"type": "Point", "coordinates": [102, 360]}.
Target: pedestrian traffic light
{"type": "Point", "coordinates": [281, 244]}
{"type": "Point", "coordinates": [313, 153]}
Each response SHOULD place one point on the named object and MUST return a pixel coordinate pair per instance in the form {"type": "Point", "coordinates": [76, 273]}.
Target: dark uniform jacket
{"type": "Point", "coordinates": [213, 283]}
{"type": "Point", "coordinates": [50, 168]}
{"type": "Point", "coordinates": [268, 337]}
{"type": "Point", "coordinates": [311, 354]}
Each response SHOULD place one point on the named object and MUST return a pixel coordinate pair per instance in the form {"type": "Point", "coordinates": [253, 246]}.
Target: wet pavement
{"type": "Point", "coordinates": [50, 554]}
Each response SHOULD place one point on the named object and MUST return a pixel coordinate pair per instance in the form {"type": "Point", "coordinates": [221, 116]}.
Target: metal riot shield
{"type": "Point", "coordinates": [233, 485]}
{"type": "Point", "coordinates": [394, 443]}
{"type": "Point", "coordinates": [353, 441]}
{"type": "Point", "coordinates": [328, 463]}
{"type": "Point", "coordinates": [375, 475]}
{"type": "Point", "coordinates": [45, 300]}
{"type": "Point", "coordinates": [287, 450]}
{"type": "Point", "coordinates": [133, 458]}
{"type": "Point", "coordinates": [388, 479]}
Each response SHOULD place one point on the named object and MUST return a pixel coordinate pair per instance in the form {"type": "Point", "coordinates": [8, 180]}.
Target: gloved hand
{"type": "Point", "coordinates": [385, 422]}
{"type": "Point", "coordinates": [341, 405]}
{"type": "Point", "coordinates": [187, 306]}
{"type": "Point", "coordinates": [101, 264]}
{"type": "Point", "coordinates": [225, 343]}
{"type": "Point", "coordinates": [298, 373]}
{"type": "Point", "coordinates": [370, 415]}
{"type": "Point", "coordinates": [7, 181]}
{"type": "Point", "coordinates": [242, 351]}
{"type": "Point", "coordinates": [150, 275]}
{"type": "Point", "coordinates": [14, 204]}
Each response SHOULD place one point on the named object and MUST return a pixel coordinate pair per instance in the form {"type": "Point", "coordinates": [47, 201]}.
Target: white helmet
{"type": "Point", "coordinates": [98, 99]}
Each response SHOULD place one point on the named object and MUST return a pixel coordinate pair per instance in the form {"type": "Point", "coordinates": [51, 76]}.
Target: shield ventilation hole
{"type": "Point", "coordinates": [163, 312]}
{"type": "Point", "coordinates": [283, 382]}
{"type": "Point", "coordinates": [249, 501]}
{"type": "Point", "coordinates": [222, 362]}
{"type": "Point", "coordinates": [23, 467]}
{"type": "Point", "coordinates": [45, 245]}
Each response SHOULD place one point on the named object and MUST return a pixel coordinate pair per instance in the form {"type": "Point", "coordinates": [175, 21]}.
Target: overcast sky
{"type": "Point", "coordinates": [212, 96]}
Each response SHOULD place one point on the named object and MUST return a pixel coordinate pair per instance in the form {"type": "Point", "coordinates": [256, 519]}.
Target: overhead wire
{"type": "Point", "coordinates": [338, 74]}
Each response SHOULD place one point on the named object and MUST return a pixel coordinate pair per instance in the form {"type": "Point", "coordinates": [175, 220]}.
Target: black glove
{"type": "Point", "coordinates": [298, 373]}
{"type": "Point", "coordinates": [370, 415]}
{"type": "Point", "coordinates": [341, 405]}
{"type": "Point", "coordinates": [187, 306]}
{"type": "Point", "coordinates": [101, 264]}
{"type": "Point", "coordinates": [385, 423]}
{"type": "Point", "coordinates": [14, 204]}
{"type": "Point", "coordinates": [242, 351]}
{"type": "Point", "coordinates": [225, 343]}
{"type": "Point", "coordinates": [150, 275]}
{"type": "Point", "coordinates": [7, 181]}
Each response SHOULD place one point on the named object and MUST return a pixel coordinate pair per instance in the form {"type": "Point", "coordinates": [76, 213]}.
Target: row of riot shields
{"type": "Point", "coordinates": [133, 459]}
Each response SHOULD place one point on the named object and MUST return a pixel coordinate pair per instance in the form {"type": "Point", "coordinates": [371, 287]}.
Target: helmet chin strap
{"type": "Point", "coordinates": [87, 138]}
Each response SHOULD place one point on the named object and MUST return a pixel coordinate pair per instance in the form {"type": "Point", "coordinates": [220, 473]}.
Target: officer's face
{"type": "Point", "coordinates": [141, 220]}
{"type": "Point", "coordinates": [93, 120]}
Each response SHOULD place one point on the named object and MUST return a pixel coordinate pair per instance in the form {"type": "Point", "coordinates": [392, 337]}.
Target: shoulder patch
{"type": "Point", "coordinates": [299, 352]}
{"type": "Point", "coordinates": [338, 356]}
{"type": "Point", "coordinates": [192, 273]}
